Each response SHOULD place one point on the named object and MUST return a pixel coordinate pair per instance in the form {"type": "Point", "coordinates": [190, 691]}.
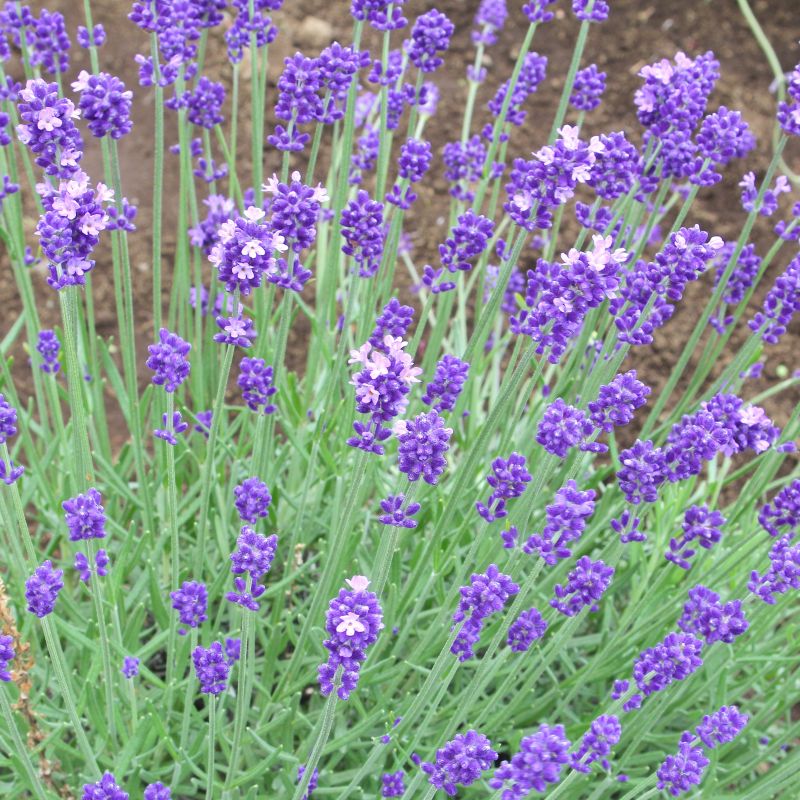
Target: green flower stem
{"type": "Point", "coordinates": [212, 745]}
{"type": "Point", "coordinates": [57, 659]}
{"type": "Point", "coordinates": [130, 361]}
{"type": "Point", "coordinates": [574, 63]}
{"type": "Point", "coordinates": [430, 793]}
{"type": "Point", "coordinates": [246, 664]}
{"type": "Point", "coordinates": [84, 471]}
{"type": "Point", "coordinates": [325, 725]}
{"type": "Point", "coordinates": [208, 468]}
{"type": "Point", "coordinates": [186, 713]}
{"type": "Point", "coordinates": [21, 750]}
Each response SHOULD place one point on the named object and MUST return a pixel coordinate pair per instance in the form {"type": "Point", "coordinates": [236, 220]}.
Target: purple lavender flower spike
{"type": "Point", "coordinates": [253, 557]}
{"type": "Point", "coordinates": [9, 474]}
{"type": "Point", "coordinates": [130, 667]}
{"type": "Point", "coordinates": [783, 572]}
{"type": "Point", "coordinates": [256, 382]}
{"type": "Point", "coordinates": [508, 479]}
{"type": "Point", "coordinates": [157, 791]}
{"type": "Point", "coordinates": [106, 788]}
{"type": "Point", "coordinates": [397, 512]}
{"type": "Point", "coordinates": [706, 617]}
{"type": "Point", "coordinates": [211, 668]}
{"type": "Point", "coordinates": [460, 762]}
{"type": "Point", "coordinates": [85, 516]}
{"type": "Point", "coordinates": [235, 331]}
{"type": "Point", "coordinates": [394, 320]}
{"type": "Point", "coordinates": [383, 15]}
{"type": "Point", "coordinates": [48, 348]}
{"type": "Point", "coordinates": [565, 522]}
{"type": "Point", "coordinates": [447, 384]}
{"type": "Point", "coordinates": [7, 655]}
{"type": "Point", "coordinates": [587, 91]}
{"type": "Point", "coordinates": [781, 515]}
{"type": "Point", "coordinates": [191, 603]}
{"type": "Point", "coordinates": [679, 772]}
{"type": "Point", "coordinates": [536, 11]}
{"type": "Point", "coordinates": [563, 427]}
{"type": "Point", "coordinates": [699, 525]}
{"type": "Point", "coordinates": [85, 569]}
{"type": "Point", "coordinates": [527, 628]}
{"type": "Point", "coordinates": [464, 166]}
{"type": "Point", "coordinates": [353, 621]}
{"type": "Point", "coordinates": [603, 734]}
{"type": "Point", "coordinates": [673, 659]}
{"type": "Point", "coordinates": [363, 232]}
{"type": "Point", "coordinates": [780, 305]}
{"type": "Point", "coordinates": [539, 762]}
{"type": "Point", "coordinates": [723, 136]}
{"type": "Point", "coordinates": [430, 37]}
{"type": "Point", "coordinates": [422, 444]}
{"type": "Point", "coordinates": [722, 726]}
{"type": "Point", "coordinates": [105, 104]}
{"type": "Point", "coordinates": [8, 420]}
{"type": "Point", "coordinates": [393, 784]}
{"type": "Point", "coordinates": [48, 130]}
{"type": "Point", "coordinates": [94, 38]}
{"type": "Point", "coordinates": [381, 388]}
{"type": "Point", "coordinates": [643, 470]}
{"type": "Point", "coordinates": [590, 10]}
{"type": "Point", "coordinates": [489, 19]}
{"type": "Point", "coordinates": [237, 37]}
{"type": "Point", "coordinates": [173, 426]}
{"type": "Point", "coordinates": [233, 649]}
{"type": "Point", "coordinates": [486, 594]}
{"type": "Point", "coordinates": [252, 499]}
{"type": "Point", "coordinates": [42, 588]}
{"type": "Point", "coordinates": [205, 102]}
{"type": "Point", "coordinates": [168, 360]}
{"type": "Point", "coordinates": [585, 585]}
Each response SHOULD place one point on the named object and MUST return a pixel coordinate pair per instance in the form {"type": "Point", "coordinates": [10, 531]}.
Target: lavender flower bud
{"type": "Point", "coordinates": [538, 762]}
{"type": "Point", "coordinates": [48, 348]}
{"type": "Point", "coordinates": [211, 668]}
{"type": "Point", "coordinates": [105, 789]}
{"type": "Point", "coordinates": [679, 772]}
{"type": "Point", "coordinates": [422, 445]}
{"type": "Point", "coordinates": [191, 603]}
{"type": "Point", "coordinates": [252, 499]}
{"type": "Point", "coordinates": [7, 654]}
{"type": "Point", "coordinates": [525, 630]}
{"type": "Point", "coordinates": [168, 360]}
{"type": "Point", "coordinates": [460, 762]}
{"type": "Point", "coordinates": [353, 621]}
{"type": "Point", "coordinates": [42, 588]}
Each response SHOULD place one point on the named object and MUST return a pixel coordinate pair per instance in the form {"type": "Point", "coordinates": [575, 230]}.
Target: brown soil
{"type": "Point", "coordinates": [639, 32]}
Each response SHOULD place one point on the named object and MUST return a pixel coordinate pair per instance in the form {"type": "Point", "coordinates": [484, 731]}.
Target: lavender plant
{"type": "Point", "coordinates": [589, 566]}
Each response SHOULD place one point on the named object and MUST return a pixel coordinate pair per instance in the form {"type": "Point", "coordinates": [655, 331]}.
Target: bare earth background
{"type": "Point", "coordinates": [637, 33]}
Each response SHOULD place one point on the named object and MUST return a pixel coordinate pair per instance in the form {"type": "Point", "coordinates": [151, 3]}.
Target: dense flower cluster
{"type": "Point", "coordinates": [168, 360]}
{"type": "Point", "coordinates": [684, 769]}
{"type": "Point", "coordinates": [603, 734]}
{"type": "Point", "coordinates": [508, 479]}
{"type": "Point", "coordinates": [191, 603]}
{"type": "Point", "coordinates": [713, 621]}
{"type": "Point", "coordinates": [253, 558]}
{"type": "Point", "coordinates": [353, 622]}
{"type": "Point", "coordinates": [460, 762]}
{"type": "Point", "coordinates": [539, 762]}
{"type": "Point", "coordinates": [256, 382]}
{"type": "Point", "coordinates": [106, 788]}
{"type": "Point", "coordinates": [85, 516]}
{"type": "Point", "coordinates": [468, 239]}
{"type": "Point", "coordinates": [447, 384]}
{"type": "Point", "coordinates": [525, 630]}
{"type": "Point", "coordinates": [252, 499]}
{"type": "Point", "coordinates": [105, 104]}
{"type": "Point", "coordinates": [211, 667]}
{"type": "Point", "coordinates": [700, 525]}
{"type": "Point", "coordinates": [781, 515]}
{"type": "Point", "coordinates": [363, 233]}
{"type": "Point", "coordinates": [7, 654]}
{"type": "Point", "coordinates": [783, 572]}
{"type": "Point", "coordinates": [587, 91]}
{"type": "Point", "coordinates": [381, 389]}
{"type": "Point", "coordinates": [585, 585]}
{"type": "Point", "coordinates": [565, 522]}
{"type": "Point", "coordinates": [422, 443]}
{"type": "Point", "coordinates": [48, 348]}
{"type": "Point", "coordinates": [486, 594]}
{"type": "Point", "coordinates": [42, 589]}
{"type": "Point", "coordinates": [673, 659]}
